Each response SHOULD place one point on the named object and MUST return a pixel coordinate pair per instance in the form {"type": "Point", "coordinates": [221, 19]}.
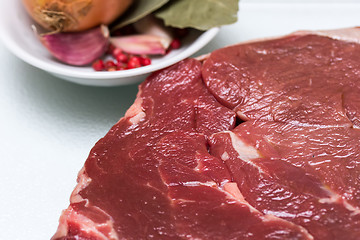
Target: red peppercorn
{"type": "Point", "coordinates": [134, 62]}
{"type": "Point", "coordinates": [120, 66]}
{"type": "Point", "coordinates": [116, 51]}
{"type": "Point", "coordinates": [144, 61]}
{"type": "Point", "coordinates": [121, 58]}
{"type": "Point", "coordinates": [109, 64]}
{"type": "Point", "coordinates": [98, 65]}
{"type": "Point", "coordinates": [175, 44]}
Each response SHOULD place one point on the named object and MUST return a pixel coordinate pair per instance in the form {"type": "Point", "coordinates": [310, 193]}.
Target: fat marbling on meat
{"type": "Point", "coordinates": [258, 142]}
{"type": "Point", "coordinates": [151, 176]}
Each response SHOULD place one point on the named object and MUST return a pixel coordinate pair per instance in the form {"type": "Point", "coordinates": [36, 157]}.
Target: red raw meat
{"type": "Point", "coordinates": [151, 176]}
{"type": "Point", "coordinates": [303, 79]}
{"type": "Point", "coordinates": [176, 167]}
{"type": "Point", "coordinates": [306, 175]}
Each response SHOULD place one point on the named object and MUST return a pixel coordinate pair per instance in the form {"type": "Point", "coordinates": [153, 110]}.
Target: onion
{"type": "Point", "coordinates": [74, 15]}
{"type": "Point", "coordinates": [80, 48]}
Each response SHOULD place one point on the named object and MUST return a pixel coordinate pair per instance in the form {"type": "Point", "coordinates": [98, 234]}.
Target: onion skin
{"type": "Point", "coordinates": [75, 15]}
{"type": "Point", "coordinates": [80, 48]}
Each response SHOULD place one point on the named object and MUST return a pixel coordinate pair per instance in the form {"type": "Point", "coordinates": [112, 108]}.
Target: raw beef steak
{"type": "Point", "coordinates": [303, 79]}
{"type": "Point", "coordinates": [177, 166]}
{"type": "Point", "coordinates": [306, 175]}
{"type": "Point", "coordinates": [151, 176]}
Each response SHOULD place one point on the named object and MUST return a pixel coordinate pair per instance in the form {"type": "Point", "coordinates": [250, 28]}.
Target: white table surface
{"type": "Point", "coordinates": [48, 125]}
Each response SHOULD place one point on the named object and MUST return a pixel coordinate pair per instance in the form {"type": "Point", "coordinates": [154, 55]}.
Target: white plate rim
{"type": "Point", "coordinates": [69, 73]}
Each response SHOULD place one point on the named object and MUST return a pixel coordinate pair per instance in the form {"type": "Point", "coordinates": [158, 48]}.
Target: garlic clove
{"type": "Point", "coordinates": [153, 26]}
{"type": "Point", "coordinates": [141, 44]}
{"type": "Point", "coordinates": [78, 48]}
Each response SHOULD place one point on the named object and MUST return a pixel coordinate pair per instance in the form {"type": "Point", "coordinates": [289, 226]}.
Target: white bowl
{"type": "Point", "coordinates": [18, 37]}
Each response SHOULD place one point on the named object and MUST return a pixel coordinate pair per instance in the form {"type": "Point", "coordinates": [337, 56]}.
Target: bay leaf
{"type": "Point", "coordinates": [138, 10]}
{"type": "Point", "coordinates": [199, 14]}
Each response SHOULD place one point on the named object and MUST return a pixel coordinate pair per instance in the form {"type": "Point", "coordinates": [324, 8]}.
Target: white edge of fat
{"type": "Point", "coordinates": [270, 217]}
{"type": "Point", "coordinates": [245, 151]}
{"type": "Point", "coordinates": [231, 189]}
{"type": "Point", "coordinates": [86, 225]}
{"type": "Point", "coordinates": [83, 182]}
{"type": "Point", "coordinates": [225, 156]}
{"type": "Point", "coordinates": [135, 113]}
{"type": "Point", "coordinates": [336, 198]}
{"type": "Point", "coordinates": [233, 192]}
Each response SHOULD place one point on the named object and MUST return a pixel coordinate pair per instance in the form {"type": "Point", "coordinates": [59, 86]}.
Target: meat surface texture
{"type": "Point", "coordinates": [294, 177]}
{"type": "Point", "coordinates": [260, 141]}
{"type": "Point", "coordinates": [299, 79]}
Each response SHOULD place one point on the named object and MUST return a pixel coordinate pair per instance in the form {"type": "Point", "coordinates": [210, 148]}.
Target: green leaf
{"type": "Point", "coordinates": [138, 10]}
{"type": "Point", "coordinates": [199, 14]}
